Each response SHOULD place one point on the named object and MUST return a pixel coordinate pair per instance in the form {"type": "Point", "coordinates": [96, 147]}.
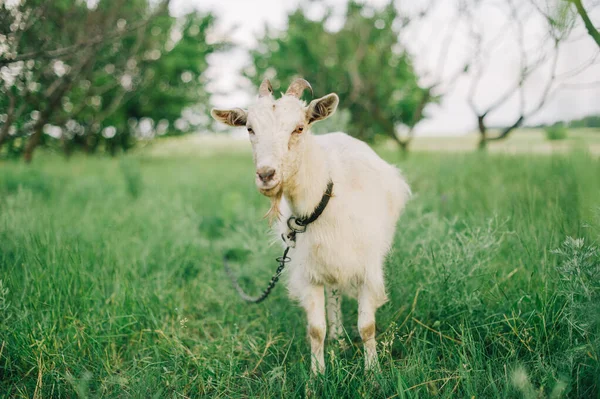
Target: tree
{"type": "Point", "coordinates": [589, 25]}
{"type": "Point", "coordinates": [108, 72]}
{"type": "Point", "coordinates": [517, 15]}
{"type": "Point", "coordinates": [364, 62]}
{"type": "Point", "coordinates": [538, 56]}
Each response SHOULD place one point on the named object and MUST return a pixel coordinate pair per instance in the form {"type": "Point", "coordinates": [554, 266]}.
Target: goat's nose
{"type": "Point", "coordinates": [265, 173]}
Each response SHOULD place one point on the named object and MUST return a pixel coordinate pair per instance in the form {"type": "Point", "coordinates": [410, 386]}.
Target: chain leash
{"type": "Point", "coordinates": [296, 226]}
{"type": "Point", "coordinates": [274, 279]}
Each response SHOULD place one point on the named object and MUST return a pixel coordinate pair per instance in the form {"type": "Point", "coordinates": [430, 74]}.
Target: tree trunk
{"type": "Point", "coordinates": [32, 143]}
{"type": "Point", "coordinates": [10, 116]}
{"type": "Point", "coordinates": [390, 130]}
{"type": "Point", "coordinates": [86, 145]}
{"type": "Point", "coordinates": [34, 140]}
{"type": "Point", "coordinates": [404, 146]}
{"type": "Point", "coordinates": [67, 147]}
{"type": "Point", "coordinates": [482, 132]}
{"type": "Point", "coordinates": [91, 142]}
{"type": "Point", "coordinates": [3, 135]}
{"type": "Point", "coordinates": [504, 134]}
{"type": "Point", "coordinates": [111, 145]}
{"type": "Point", "coordinates": [10, 147]}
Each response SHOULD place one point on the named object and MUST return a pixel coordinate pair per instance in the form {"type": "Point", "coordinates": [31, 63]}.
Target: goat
{"type": "Point", "coordinates": [343, 251]}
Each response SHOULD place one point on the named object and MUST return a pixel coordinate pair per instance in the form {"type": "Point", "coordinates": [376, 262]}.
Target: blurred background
{"type": "Point", "coordinates": [106, 76]}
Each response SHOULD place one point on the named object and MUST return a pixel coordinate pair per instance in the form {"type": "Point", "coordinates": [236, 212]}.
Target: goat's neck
{"type": "Point", "coordinates": [305, 186]}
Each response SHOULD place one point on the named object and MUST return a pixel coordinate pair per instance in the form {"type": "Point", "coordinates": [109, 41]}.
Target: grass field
{"type": "Point", "coordinates": [111, 283]}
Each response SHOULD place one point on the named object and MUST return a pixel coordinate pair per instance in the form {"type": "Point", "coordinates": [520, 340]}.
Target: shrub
{"type": "Point", "coordinates": [556, 132]}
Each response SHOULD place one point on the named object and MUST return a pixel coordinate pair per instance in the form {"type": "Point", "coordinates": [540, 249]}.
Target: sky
{"type": "Point", "coordinates": [435, 57]}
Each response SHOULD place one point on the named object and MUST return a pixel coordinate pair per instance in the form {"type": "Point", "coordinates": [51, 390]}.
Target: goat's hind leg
{"type": "Point", "coordinates": [366, 327]}
{"type": "Point", "coordinates": [335, 327]}
{"type": "Point", "coordinates": [314, 305]}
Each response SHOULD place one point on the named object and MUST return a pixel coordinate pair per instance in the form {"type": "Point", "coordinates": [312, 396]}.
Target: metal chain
{"type": "Point", "coordinates": [294, 229]}
{"type": "Point", "coordinates": [296, 226]}
{"type": "Point", "coordinates": [282, 261]}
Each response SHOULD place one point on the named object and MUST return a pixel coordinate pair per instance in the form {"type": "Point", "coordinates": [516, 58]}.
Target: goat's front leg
{"type": "Point", "coordinates": [335, 328]}
{"type": "Point", "coordinates": [314, 304]}
{"type": "Point", "coordinates": [366, 327]}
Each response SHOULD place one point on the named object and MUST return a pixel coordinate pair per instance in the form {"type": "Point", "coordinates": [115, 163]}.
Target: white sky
{"type": "Point", "coordinates": [242, 21]}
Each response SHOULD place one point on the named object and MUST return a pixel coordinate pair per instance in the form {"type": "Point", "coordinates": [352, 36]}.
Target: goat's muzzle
{"type": "Point", "coordinates": [265, 174]}
{"type": "Point", "coordinates": [267, 181]}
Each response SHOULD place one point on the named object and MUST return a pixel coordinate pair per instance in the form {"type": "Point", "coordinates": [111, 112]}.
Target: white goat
{"type": "Point", "coordinates": [343, 251]}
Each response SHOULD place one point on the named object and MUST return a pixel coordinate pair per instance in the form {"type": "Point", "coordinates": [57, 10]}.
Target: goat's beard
{"type": "Point", "coordinates": [275, 194]}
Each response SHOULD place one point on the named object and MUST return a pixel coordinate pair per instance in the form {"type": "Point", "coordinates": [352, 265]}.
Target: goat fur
{"type": "Point", "coordinates": [343, 251]}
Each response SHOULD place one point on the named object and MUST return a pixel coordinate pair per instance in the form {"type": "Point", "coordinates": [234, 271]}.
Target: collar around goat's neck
{"type": "Point", "coordinates": [306, 220]}
{"type": "Point", "coordinates": [298, 224]}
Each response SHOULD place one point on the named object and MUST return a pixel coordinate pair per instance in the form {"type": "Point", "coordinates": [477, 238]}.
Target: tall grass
{"type": "Point", "coordinates": [111, 283]}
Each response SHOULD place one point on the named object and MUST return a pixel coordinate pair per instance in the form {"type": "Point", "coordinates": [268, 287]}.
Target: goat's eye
{"type": "Point", "coordinates": [250, 130]}
{"type": "Point", "coordinates": [299, 129]}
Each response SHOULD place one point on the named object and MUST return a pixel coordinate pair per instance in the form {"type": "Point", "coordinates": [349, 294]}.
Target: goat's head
{"type": "Point", "coordinates": [277, 128]}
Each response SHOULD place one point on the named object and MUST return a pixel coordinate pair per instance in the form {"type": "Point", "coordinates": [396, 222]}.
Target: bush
{"type": "Point", "coordinates": [556, 132]}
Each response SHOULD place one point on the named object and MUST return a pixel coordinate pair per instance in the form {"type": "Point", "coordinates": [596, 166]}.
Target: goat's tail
{"type": "Point", "coordinates": [274, 279]}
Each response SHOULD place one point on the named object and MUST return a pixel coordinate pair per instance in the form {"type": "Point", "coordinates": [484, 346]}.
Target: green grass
{"type": "Point", "coordinates": [112, 283]}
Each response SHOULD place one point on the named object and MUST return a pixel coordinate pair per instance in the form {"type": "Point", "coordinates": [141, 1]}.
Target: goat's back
{"type": "Point", "coordinates": [362, 170]}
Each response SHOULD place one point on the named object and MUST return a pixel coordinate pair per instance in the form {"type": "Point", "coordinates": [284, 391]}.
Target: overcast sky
{"type": "Point", "coordinates": [244, 20]}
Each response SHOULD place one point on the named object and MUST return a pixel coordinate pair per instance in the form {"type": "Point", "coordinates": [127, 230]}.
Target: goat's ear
{"type": "Point", "coordinates": [322, 108]}
{"type": "Point", "coordinates": [231, 117]}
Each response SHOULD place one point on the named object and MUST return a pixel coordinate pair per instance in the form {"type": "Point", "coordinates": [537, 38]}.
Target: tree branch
{"type": "Point", "coordinates": [587, 21]}
{"type": "Point", "coordinates": [543, 98]}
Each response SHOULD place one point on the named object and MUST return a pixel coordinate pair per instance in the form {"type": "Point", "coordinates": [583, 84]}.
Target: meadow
{"type": "Point", "coordinates": [111, 282]}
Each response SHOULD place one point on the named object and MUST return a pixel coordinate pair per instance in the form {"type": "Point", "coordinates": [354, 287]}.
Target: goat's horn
{"type": "Point", "coordinates": [265, 88]}
{"type": "Point", "coordinates": [297, 87]}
